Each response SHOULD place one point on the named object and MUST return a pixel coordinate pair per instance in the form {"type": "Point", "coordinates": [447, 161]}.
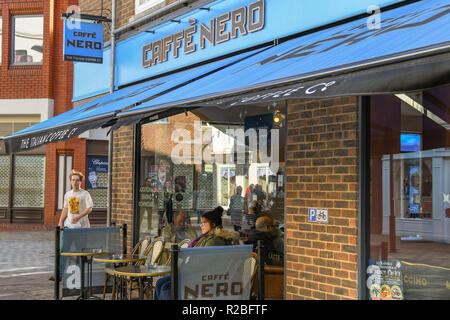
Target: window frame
{"type": "Point", "coordinates": [12, 42]}
{"type": "Point", "coordinates": [139, 8]}
{"type": "Point", "coordinates": [65, 179]}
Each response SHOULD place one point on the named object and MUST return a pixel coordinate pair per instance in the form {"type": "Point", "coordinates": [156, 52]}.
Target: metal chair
{"type": "Point", "coordinates": [109, 272]}
{"type": "Point", "coordinates": [153, 257]}
{"type": "Point", "coordinates": [253, 268]}
{"type": "Point", "coordinates": [182, 244]}
{"type": "Point", "coordinates": [156, 251]}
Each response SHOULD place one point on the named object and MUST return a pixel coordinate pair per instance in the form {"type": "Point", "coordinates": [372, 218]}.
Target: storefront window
{"type": "Point", "coordinates": [29, 181]}
{"type": "Point", "coordinates": [5, 170]}
{"type": "Point", "coordinates": [213, 157]}
{"type": "Point", "coordinates": [410, 192]}
{"type": "Point", "coordinates": [142, 5]}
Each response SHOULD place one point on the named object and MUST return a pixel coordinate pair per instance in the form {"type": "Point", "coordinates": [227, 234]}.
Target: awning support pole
{"type": "Point", "coordinates": [111, 90]}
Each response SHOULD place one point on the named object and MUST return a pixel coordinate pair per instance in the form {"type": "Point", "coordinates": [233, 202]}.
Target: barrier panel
{"type": "Point", "coordinates": [104, 239]}
{"type": "Point", "coordinates": [217, 273]}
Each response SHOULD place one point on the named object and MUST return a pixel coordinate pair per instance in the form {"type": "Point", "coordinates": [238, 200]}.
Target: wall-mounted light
{"type": "Point", "coordinates": [278, 118]}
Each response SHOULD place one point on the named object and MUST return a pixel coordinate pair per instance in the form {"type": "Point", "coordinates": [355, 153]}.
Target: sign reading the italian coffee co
{"type": "Point", "coordinates": [222, 28]}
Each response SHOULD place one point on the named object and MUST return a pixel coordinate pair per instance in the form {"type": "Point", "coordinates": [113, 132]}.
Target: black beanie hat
{"type": "Point", "coordinates": [215, 216]}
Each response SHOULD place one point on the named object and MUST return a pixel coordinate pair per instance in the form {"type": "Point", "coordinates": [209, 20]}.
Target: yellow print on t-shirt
{"type": "Point", "coordinates": [74, 205]}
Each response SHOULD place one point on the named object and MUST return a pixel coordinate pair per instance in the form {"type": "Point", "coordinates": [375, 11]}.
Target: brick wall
{"type": "Point", "coordinates": [75, 147]}
{"type": "Point", "coordinates": [321, 170]}
{"type": "Point", "coordinates": [122, 179]}
{"type": "Point", "coordinates": [53, 79]}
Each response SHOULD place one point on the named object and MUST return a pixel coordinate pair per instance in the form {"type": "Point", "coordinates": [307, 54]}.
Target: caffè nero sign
{"type": "Point", "coordinates": [220, 29]}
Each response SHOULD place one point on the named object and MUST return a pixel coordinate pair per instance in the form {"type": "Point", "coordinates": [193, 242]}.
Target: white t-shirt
{"type": "Point", "coordinates": [76, 203]}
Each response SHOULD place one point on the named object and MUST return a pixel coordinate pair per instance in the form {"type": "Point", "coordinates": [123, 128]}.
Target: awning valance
{"type": "Point", "coordinates": [102, 111]}
{"type": "Point", "coordinates": [407, 51]}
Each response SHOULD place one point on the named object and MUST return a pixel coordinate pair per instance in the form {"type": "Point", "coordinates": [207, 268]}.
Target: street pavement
{"type": "Point", "coordinates": [27, 260]}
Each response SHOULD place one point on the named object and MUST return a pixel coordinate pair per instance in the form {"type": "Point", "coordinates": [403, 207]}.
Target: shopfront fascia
{"type": "Point", "coordinates": [339, 152]}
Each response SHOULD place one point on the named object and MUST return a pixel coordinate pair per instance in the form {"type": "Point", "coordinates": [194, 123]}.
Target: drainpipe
{"type": "Point", "coordinates": [111, 90]}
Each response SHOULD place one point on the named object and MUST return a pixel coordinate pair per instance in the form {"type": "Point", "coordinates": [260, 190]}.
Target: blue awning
{"type": "Point", "coordinates": [408, 50]}
{"type": "Point", "coordinates": [102, 111]}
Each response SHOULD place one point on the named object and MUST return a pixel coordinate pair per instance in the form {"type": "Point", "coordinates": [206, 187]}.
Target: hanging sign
{"type": "Point", "coordinates": [83, 42]}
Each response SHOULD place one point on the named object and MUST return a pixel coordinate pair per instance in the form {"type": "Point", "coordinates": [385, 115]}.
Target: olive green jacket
{"type": "Point", "coordinates": [169, 233]}
{"type": "Point", "coordinates": [218, 237]}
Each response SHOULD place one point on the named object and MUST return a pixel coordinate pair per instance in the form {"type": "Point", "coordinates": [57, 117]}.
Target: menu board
{"type": "Point", "coordinates": [385, 280]}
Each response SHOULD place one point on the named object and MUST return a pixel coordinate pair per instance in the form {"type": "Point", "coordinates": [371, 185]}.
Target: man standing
{"type": "Point", "coordinates": [77, 204]}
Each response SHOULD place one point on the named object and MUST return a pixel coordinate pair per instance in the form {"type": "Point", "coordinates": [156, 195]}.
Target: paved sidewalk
{"type": "Point", "coordinates": [27, 261]}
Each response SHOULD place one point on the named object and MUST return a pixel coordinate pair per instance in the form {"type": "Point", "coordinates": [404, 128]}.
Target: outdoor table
{"type": "Point", "coordinates": [86, 258]}
{"type": "Point", "coordinates": [142, 273]}
{"type": "Point", "coordinates": [118, 260]}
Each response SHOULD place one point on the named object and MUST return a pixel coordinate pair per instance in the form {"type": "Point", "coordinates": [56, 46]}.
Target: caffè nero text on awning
{"type": "Point", "coordinates": [336, 121]}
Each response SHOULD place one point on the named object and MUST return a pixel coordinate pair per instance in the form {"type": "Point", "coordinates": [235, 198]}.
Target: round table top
{"type": "Point", "coordinates": [85, 254]}
{"type": "Point", "coordinates": [142, 271]}
{"type": "Point", "coordinates": [119, 258]}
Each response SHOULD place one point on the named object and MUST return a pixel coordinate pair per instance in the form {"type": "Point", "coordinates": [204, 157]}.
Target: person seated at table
{"type": "Point", "coordinates": [213, 234]}
{"type": "Point", "coordinates": [175, 232]}
{"type": "Point", "coordinates": [254, 212]}
{"type": "Point", "coordinates": [178, 230]}
{"type": "Point", "coordinates": [272, 240]}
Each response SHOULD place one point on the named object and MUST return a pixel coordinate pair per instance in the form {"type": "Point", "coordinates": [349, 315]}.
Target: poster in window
{"type": "Point", "coordinates": [183, 186]}
{"type": "Point", "coordinates": [97, 173]}
{"type": "Point", "coordinates": [385, 280]}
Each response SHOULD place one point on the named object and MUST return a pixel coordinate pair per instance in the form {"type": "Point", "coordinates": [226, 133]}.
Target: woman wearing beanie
{"type": "Point", "coordinates": [212, 235]}
{"type": "Point", "coordinates": [212, 232]}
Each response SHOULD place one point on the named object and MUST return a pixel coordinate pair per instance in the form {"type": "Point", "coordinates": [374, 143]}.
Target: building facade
{"type": "Point", "coordinates": [36, 84]}
{"type": "Point", "coordinates": [336, 124]}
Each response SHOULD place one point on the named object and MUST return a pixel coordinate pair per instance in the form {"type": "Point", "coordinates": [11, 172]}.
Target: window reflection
{"type": "Point", "coordinates": [210, 157]}
{"type": "Point", "coordinates": [410, 207]}
{"type": "Point", "coordinates": [28, 43]}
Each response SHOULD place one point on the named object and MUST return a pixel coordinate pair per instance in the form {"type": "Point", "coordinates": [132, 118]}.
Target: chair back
{"type": "Point", "coordinates": [146, 247]}
{"type": "Point", "coordinates": [184, 243]}
{"type": "Point", "coordinates": [136, 247]}
{"type": "Point", "coordinates": [156, 251]}
{"type": "Point", "coordinates": [253, 264]}
{"type": "Point", "coordinates": [253, 282]}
